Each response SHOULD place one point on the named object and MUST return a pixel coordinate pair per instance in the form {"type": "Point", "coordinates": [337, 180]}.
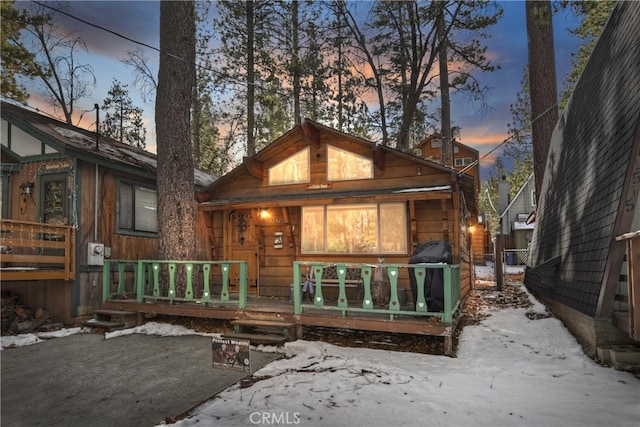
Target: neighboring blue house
{"type": "Point", "coordinates": [513, 220]}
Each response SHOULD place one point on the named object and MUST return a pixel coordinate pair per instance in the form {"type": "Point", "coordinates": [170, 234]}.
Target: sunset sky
{"type": "Point", "coordinates": [139, 21]}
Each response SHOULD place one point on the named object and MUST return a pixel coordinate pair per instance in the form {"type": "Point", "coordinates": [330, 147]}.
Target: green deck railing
{"type": "Point", "coordinates": [141, 279]}
{"type": "Point", "coordinates": [451, 274]}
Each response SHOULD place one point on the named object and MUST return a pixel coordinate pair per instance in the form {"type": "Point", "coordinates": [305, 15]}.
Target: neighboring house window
{"type": "Point", "coordinates": [436, 143]}
{"type": "Point", "coordinates": [418, 152]}
{"type": "Point", "coordinates": [463, 161]}
{"type": "Point", "coordinates": [137, 208]}
{"type": "Point", "coordinates": [343, 165]}
{"type": "Point", "coordinates": [355, 229]}
{"type": "Point", "coordinates": [292, 170]}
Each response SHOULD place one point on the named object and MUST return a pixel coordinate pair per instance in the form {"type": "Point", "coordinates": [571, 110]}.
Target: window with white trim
{"type": "Point", "coordinates": [355, 229]}
{"type": "Point", "coordinates": [463, 161]}
{"type": "Point", "coordinates": [137, 208]}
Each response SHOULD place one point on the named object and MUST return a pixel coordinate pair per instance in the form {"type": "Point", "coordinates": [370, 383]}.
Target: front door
{"type": "Point", "coordinates": [242, 245]}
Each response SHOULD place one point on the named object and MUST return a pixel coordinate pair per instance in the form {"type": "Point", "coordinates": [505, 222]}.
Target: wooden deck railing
{"type": "Point", "coordinates": [451, 275]}
{"type": "Point", "coordinates": [142, 279]}
{"type": "Point", "coordinates": [633, 281]}
{"type": "Point", "coordinates": [36, 251]}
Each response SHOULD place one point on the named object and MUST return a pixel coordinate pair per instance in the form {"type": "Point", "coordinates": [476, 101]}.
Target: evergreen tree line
{"type": "Point", "coordinates": [371, 69]}
{"type": "Point", "coordinates": [366, 68]}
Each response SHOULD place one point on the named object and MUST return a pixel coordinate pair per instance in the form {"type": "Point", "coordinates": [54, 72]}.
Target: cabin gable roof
{"type": "Point", "coordinates": [393, 172]}
{"type": "Point", "coordinates": [75, 142]}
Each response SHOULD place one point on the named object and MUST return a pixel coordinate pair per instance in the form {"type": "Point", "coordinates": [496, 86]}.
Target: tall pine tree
{"type": "Point", "coordinates": [122, 120]}
{"type": "Point", "coordinates": [175, 178]}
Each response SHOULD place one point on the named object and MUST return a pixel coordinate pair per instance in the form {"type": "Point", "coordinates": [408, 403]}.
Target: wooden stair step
{"type": "Point", "coordinates": [104, 324]}
{"type": "Point", "coordinates": [110, 312]}
{"type": "Point", "coordinates": [262, 323]}
{"type": "Point", "coordinates": [257, 338]}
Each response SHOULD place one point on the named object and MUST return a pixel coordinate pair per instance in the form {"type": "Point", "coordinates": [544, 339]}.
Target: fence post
{"type": "Point", "coordinates": [498, 265]}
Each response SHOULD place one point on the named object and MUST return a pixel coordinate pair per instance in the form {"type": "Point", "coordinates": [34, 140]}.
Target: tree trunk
{"type": "Point", "coordinates": [251, 88]}
{"type": "Point", "coordinates": [445, 119]}
{"type": "Point", "coordinates": [176, 202]}
{"type": "Point", "coordinates": [297, 113]}
{"type": "Point", "coordinates": [542, 84]}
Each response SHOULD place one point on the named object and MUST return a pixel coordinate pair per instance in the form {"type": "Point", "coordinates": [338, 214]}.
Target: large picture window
{"type": "Point", "coordinates": [137, 208]}
{"type": "Point", "coordinates": [354, 229]}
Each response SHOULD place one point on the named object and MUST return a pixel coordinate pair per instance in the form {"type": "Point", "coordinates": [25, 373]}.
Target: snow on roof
{"type": "Point", "coordinates": [123, 153]}
{"type": "Point", "coordinates": [424, 189]}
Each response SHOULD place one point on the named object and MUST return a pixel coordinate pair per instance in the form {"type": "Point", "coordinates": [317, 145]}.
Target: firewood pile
{"type": "Point", "coordinates": [17, 318]}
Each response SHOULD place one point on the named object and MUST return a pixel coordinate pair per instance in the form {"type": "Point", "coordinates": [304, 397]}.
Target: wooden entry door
{"type": "Point", "coordinates": [241, 244]}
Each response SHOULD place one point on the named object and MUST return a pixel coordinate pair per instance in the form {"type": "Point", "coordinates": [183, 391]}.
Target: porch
{"type": "Point", "coordinates": [201, 289]}
{"type": "Point", "coordinates": [36, 251]}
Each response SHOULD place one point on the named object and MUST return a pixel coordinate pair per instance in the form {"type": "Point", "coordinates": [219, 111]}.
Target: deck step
{"type": "Point", "coordinates": [112, 326]}
{"type": "Point", "coordinates": [619, 355]}
{"type": "Point", "coordinates": [251, 326]}
{"type": "Point", "coordinates": [262, 323]}
{"type": "Point", "coordinates": [116, 317]}
{"type": "Point", "coordinates": [257, 338]}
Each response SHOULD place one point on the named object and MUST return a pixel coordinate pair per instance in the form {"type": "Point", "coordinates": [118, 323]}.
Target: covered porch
{"type": "Point", "coordinates": [201, 289]}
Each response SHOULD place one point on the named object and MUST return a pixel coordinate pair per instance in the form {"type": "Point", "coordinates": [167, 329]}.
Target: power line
{"type": "Point", "coordinates": [513, 135]}
{"type": "Point", "coordinates": [129, 39]}
{"type": "Point", "coordinates": [107, 30]}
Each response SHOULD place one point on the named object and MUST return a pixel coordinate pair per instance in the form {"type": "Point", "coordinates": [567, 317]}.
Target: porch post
{"type": "Point", "coordinates": [242, 303]}
{"type": "Point", "coordinates": [297, 307]}
{"type": "Point", "coordinates": [106, 279]}
{"type": "Point", "coordinates": [139, 273]}
{"type": "Point", "coordinates": [448, 316]}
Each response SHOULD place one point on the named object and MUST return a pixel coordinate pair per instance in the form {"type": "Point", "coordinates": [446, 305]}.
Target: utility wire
{"type": "Point", "coordinates": [129, 39]}
{"type": "Point", "coordinates": [510, 137]}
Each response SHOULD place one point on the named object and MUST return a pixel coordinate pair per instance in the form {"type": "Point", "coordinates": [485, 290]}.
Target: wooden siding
{"type": "Point", "coordinates": [433, 215]}
{"type": "Point", "coordinates": [123, 246]}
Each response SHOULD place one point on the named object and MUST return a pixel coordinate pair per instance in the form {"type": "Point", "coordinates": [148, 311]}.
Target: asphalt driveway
{"type": "Point", "coordinates": [134, 380]}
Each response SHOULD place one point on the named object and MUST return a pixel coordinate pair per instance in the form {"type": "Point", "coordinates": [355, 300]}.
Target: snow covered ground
{"type": "Point", "coordinates": [509, 371]}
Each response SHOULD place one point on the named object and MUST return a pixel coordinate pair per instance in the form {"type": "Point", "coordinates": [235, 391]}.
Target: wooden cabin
{"type": "Point", "coordinates": [319, 195]}
{"type": "Point", "coordinates": [71, 199]}
{"type": "Point", "coordinates": [585, 254]}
